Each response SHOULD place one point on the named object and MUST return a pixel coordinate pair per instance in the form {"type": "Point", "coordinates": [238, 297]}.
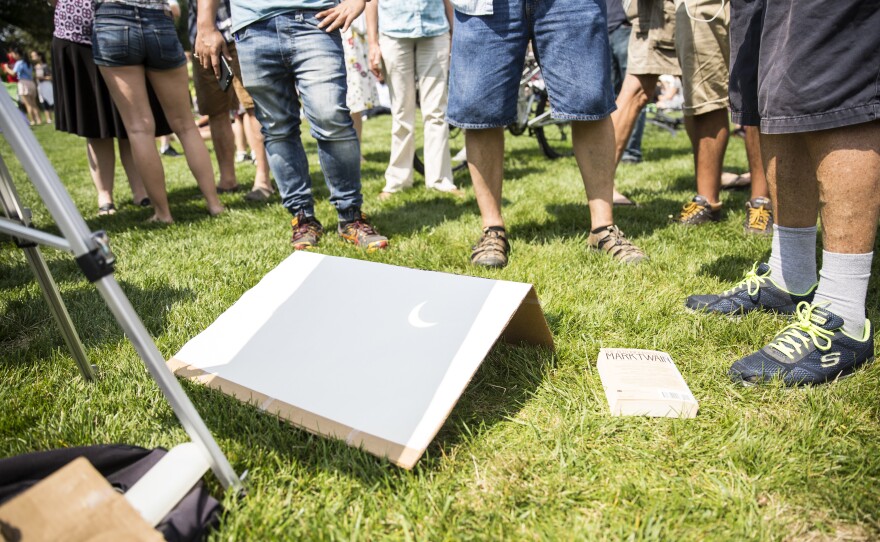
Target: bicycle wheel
{"type": "Point", "coordinates": [456, 144]}
{"type": "Point", "coordinates": [554, 139]}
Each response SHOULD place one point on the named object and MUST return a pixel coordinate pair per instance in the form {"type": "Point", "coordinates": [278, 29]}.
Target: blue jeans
{"type": "Point", "coordinates": [570, 38]}
{"type": "Point", "coordinates": [619, 38]}
{"type": "Point", "coordinates": [280, 57]}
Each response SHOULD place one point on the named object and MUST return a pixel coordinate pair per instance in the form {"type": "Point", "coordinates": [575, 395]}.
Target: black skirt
{"type": "Point", "coordinates": [82, 101]}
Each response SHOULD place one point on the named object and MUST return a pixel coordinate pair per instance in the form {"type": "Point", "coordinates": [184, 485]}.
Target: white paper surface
{"type": "Point", "coordinates": [385, 350]}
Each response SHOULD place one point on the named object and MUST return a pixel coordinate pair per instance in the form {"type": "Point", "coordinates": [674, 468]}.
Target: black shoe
{"type": "Point", "coordinates": [813, 349]}
{"type": "Point", "coordinates": [170, 151]}
{"type": "Point", "coordinates": [755, 292]}
{"type": "Point", "coordinates": [697, 211]}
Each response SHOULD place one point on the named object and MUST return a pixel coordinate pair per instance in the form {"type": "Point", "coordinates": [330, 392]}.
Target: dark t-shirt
{"type": "Point", "coordinates": [616, 15]}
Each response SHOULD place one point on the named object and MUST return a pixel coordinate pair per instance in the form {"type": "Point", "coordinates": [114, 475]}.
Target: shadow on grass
{"type": "Point", "coordinates": [729, 268]}
{"type": "Point", "coordinates": [28, 330]}
{"type": "Point", "coordinates": [413, 215]}
{"type": "Point", "coordinates": [501, 386]}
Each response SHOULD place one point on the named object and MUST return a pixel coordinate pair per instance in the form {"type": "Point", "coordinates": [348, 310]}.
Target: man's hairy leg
{"type": "Point", "coordinates": [708, 133]}
{"type": "Point", "coordinates": [593, 144]}
{"type": "Point", "coordinates": [485, 152]}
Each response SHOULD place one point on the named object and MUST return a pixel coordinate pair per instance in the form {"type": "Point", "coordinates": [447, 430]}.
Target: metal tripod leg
{"type": "Point", "coordinates": [11, 207]}
{"type": "Point", "coordinates": [92, 253]}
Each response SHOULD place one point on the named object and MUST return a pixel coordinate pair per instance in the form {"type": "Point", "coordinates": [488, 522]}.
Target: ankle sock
{"type": "Point", "coordinates": [793, 258]}
{"type": "Point", "coordinates": [843, 281]}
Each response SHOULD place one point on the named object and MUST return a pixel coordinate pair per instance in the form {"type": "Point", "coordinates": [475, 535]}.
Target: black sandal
{"type": "Point", "coordinates": [106, 209]}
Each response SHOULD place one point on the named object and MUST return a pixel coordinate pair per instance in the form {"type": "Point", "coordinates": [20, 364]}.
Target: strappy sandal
{"type": "Point", "coordinates": [106, 209]}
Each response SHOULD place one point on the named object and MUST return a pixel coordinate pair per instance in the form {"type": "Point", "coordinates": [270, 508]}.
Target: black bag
{"type": "Point", "coordinates": [122, 466]}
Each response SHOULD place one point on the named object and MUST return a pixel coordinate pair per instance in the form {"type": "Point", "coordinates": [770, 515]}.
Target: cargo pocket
{"type": "Point", "coordinates": [663, 27]}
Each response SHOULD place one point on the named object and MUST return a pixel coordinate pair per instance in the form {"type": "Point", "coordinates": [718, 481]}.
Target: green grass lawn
{"type": "Point", "coordinates": [530, 452]}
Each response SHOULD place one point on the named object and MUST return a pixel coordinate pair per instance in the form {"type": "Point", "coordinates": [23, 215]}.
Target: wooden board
{"type": "Point", "coordinates": [373, 354]}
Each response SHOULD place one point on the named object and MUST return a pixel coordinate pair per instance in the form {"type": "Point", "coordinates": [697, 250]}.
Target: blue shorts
{"type": "Point", "coordinates": [132, 36]}
{"type": "Point", "coordinates": [570, 41]}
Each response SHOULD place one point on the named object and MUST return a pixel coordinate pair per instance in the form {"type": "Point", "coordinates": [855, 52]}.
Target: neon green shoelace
{"type": "Point", "coordinates": [801, 332]}
{"type": "Point", "coordinates": [752, 281]}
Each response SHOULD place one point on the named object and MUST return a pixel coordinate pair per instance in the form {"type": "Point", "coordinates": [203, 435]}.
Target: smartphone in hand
{"type": "Point", "coordinates": [225, 74]}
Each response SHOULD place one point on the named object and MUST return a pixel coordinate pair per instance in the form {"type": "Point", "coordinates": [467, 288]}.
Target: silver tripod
{"type": "Point", "coordinates": [94, 257]}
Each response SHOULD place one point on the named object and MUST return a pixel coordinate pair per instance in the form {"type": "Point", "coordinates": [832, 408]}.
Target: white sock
{"type": "Point", "coordinates": [844, 283]}
{"type": "Point", "coordinates": [793, 258]}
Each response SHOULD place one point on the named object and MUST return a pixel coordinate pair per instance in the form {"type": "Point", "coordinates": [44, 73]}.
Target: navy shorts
{"type": "Point", "coordinates": [804, 65]}
{"type": "Point", "coordinates": [570, 39]}
{"type": "Point", "coordinates": [132, 36]}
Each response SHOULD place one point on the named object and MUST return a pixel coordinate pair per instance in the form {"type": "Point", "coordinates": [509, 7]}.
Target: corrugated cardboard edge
{"type": "Point", "coordinates": [528, 324]}
{"type": "Point", "coordinates": [398, 454]}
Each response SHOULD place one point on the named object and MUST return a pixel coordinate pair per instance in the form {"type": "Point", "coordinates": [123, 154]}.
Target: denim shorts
{"type": "Point", "coordinates": [132, 36]}
{"type": "Point", "coordinates": [570, 41]}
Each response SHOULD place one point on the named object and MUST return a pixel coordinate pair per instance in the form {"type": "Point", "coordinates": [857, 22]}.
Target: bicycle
{"type": "Point", "coordinates": [533, 114]}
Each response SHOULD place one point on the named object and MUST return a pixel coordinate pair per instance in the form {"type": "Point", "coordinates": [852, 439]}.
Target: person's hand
{"type": "Point", "coordinates": [340, 16]}
{"type": "Point", "coordinates": [209, 46]}
{"type": "Point", "coordinates": [374, 59]}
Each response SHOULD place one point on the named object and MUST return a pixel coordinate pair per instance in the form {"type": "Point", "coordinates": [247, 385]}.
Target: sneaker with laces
{"type": "Point", "coordinates": [492, 248]}
{"type": "Point", "coordinates": [361, 233]}
{"type": "Point", "coordinates": [307, 231]}
{"type": "Point", "coordinates": [755, 292]}
{"type": "Point", "coordinates": [813, 349]}
{"type": "Point", "coordinates": [759, 216]}
{"type": "Point", "coordinates": [697, 211]}
{"type": "Point", "coordinates": [613, 242]}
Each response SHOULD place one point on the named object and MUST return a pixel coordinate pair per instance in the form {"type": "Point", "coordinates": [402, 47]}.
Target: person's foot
{"type": "Point", "coordinates": [613, 242]}
{"type": "Point", "coordinates": [228, 188]}
{"type": "Point", "coordinates": [385, 196]}
{"type": "Point", "coordinates": [141, 202]}
{"type": "Point", "coordinates": [447, 188]}
{"type": "Point", "coordinates": [259, 194]}
{"type": "Point", "coordinates": [361, 233]}
{"type": "Point", "coordinates": [619, 199]}
{"type": "Point", "coordinates": [242, 157]}
{"type": "Point", "coordinates": [759, 216]}
{"type": "Point", "coordinates": [156, 219]}
{"type": "Point", "coordinates": [106, 209]}
{"type": "Point", "coordinates": [631, 159]}
{"type": "Point", "coordinates": [170, 151]}
{"type": "Point", "coordinates": [755, 292]}
{"type": "Point", "coordinates": [307, 231]}
{"type": "Point", "coordinates": [492, 248]}
{"type": "Point", "coordinates": [813, 349]}
{"type": "Point", "coordinates": [730, 181]}
{"type": "Point", "coordinates": [216, 210]}
{"type": "Point", "coordinates": [698, 211]}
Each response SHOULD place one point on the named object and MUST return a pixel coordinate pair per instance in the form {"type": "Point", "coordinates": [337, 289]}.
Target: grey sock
{"type": "Point", "coordinates": [793, 258]}
{"type": "Point", "coordinates": [844, 283]}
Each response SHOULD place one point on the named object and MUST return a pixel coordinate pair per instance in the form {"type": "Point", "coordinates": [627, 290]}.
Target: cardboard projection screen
{"type": "Point", "coordinates": [373, 354]}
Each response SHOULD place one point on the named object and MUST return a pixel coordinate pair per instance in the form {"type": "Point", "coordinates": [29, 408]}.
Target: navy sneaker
{"type": "Point", "coordinates": [813, 349]}
{"type": "Point", "coordinates": [756, 291]}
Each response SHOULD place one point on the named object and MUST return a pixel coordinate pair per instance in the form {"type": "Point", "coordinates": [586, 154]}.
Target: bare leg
{"type": "Point", "coordinates": [593, 144]}
{"type": "Point", "coordinates": [33, 110]}
{"type": "Point", "coordinates": [128, 88]}
{"type": "Point", "coordinates": [258, 151]}
{"type": "Point", "coordinates": [224, 148]}
{"type": "Point", "coordinates": [633, 97]}
{"type": "Point", "coordinates": [708, 133]}
{"type": "Point", "coordinates": [135, 181]}
{"type": "Point", "coordinates": [101, 165]}
{"type": "Point", "coordinates": [847, 165]}
{"type": "Point", "coordinates": [238, 130]}
{"type": "Point", "coordinates": [172, 89]}
{"type": "Point", "coordinates": [791, 180]}
{"type": "Point", "coordinates": [358, 120]}
{"type": "Point", "coordinates": [485, 150]}
{"type": "Point", "coordinates": [756, 165]}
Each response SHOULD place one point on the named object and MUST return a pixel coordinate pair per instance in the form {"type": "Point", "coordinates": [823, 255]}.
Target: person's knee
{"type": "Point", "coordinates": [638, 88]}
{"type": "Point", "coordinates": [145, 127]}
{"type": "Point", "coordinates": [331, 123]}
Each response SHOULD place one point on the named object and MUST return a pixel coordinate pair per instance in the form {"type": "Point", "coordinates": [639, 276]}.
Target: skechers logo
{"type": "Point", "coordinates": [829, 360]}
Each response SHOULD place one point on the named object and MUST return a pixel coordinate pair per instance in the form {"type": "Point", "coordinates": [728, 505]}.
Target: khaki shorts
{"type": "Point", "coordinates": [699, 50]}
{"type": "Point", "coordinates": [213, 101]}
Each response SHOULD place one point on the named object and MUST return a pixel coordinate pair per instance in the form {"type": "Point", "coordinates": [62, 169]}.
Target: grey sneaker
{"type": "Point", "coordinates": [697, 211]}
{"type": "Point", "coordinates": [613, 242]}
{"type": "Point", "coordinates": [492, 248]}
{"type": "Point", "coordinates": [759, 216]}
{"type": "Point", "coordinates": [361, 233]}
